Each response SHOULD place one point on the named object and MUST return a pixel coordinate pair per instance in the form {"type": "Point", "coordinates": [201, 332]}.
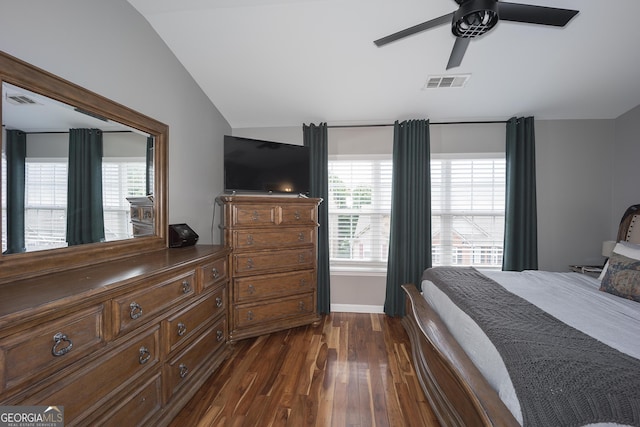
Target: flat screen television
{"type": "Point", "coordinates": [252, 165]}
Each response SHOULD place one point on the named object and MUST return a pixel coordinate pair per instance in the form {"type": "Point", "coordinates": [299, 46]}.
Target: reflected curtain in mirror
{"type": "Point", "coordinates": [410, 228]}
{"type": "Point", "coordinates": [315, 137]}
{"type": "Point", "coordinates": [85, 214]}
{"type": "Point", "coordinates": [520, 225]}
{"type": "Point", "coordinates": [16, 152]}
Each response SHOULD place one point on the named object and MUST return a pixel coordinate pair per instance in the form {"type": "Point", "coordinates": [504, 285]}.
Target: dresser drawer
{"type": "Point", "coordinates": [270, 238]}
{"type": "Point", "coordinates": [254, 215]}
{"type": "Point", "coordinates": [51, 346]}
{"type": "Point", "coordinates": [185, 365]}
{"type": "Point", "coordinates": [192, 319]}
{"type": "Point", "coordinates": [274, 260]}
{"type": "Point", "coordinates": [136, 408]}
{"type": "Point", "coordinates": [213, 273]}
{"type": "Point", "coordinates": [85, 390]}
{"type": "Point", "coordinates": [251, 315]}
{"type": "Point", "coordinates": [299, 214]}
{"type": "Point", "coordinates": [138, 307]}
{"type": "Point", "coordinates": [273, 285]}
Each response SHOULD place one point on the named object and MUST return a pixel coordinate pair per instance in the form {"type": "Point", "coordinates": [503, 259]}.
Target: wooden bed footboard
{"type": "Point", "coordinates": [455, 388]}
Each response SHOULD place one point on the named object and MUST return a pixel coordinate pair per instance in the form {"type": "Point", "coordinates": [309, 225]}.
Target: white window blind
{"type": "Point", "coordinates": [45, 204]}
{"type": "Point", "coordinates": [467, 202]}
{"type": "Point", "coordinates": [359, 211]}
{"type": "Point", "coordinates": [46, 200]}
{"type": "Point", "coordinates": [120, 179]}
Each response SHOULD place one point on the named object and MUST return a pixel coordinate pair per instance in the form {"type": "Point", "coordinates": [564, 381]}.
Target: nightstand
{"type": "Point", "coordinates": [591, 270]}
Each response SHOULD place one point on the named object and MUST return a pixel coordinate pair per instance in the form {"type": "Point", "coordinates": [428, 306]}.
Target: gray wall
{"type": "Point", "coordinates": [109, 48]}
{"type": "Point", "coordinates": [626, 171]}
{"type": "Point", "coordinates": [577, 208]}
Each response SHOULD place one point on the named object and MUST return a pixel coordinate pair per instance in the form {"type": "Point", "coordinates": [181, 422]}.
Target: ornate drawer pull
{"type": "Point", "coordinates": [136, 310]}
{"type": "Point", "coordinates": [250, 315]}
{"type": "Point", "coordinates": [303, 282]}
{"type": "Point", "coordinates": [145, 355]}
{"type": "Point", "coordinates": [182, 329]}
{"type": "Point", "coordinates": [255, 216]}
{"type": "Point", "coordinates": [220, 335]}
{"type": "Point", "coordinates": [218, 302]}
{"type": "Point", "coordinates": [186, 287]}
{"type": "Point", "coordinates": [57, 339]}
{"type": "Point", "coordinates": [250, 264]}
{"type": "Point", "coordinates": [297, 215]}
{"type": "Point", "coordinates": [183, 370]}
{"type": "Point", "coordinates": [215, 273]}
{"type": "Point", "coordinates": [301, 306]}
{"type": "Point", "coordinates": [301, 237]}
{"type": "Point", "coordinates": [301, 258]}
{"type": "Point", "coordinates": [251, 289]}
{"type": "Point", "coordinates": [250, 239]}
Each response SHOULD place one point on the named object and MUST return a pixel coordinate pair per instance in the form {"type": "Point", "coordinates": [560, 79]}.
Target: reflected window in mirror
{"type": "Point", "coordinates": [126, 169]}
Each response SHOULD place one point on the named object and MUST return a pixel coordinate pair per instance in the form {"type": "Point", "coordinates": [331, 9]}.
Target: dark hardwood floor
{"type": "Point", "coordinates": [351, 370]}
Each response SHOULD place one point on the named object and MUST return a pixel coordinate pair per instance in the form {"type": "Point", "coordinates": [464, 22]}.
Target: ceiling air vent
{"type": "Point", "coordinates": [18, 99]}
{"type": "Point", "coordinates": [450, 81]}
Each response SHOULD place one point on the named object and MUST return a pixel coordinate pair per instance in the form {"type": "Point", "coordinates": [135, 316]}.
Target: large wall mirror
{"type": "Point", "coordinates": [75, 167]}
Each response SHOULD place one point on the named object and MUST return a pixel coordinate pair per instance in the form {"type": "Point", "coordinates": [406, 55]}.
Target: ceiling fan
{"type": "Point", "coordinates": [476, 17]}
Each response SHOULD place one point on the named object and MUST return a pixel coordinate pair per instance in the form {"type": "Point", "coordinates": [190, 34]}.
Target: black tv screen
{"type": "Point", "coordinates": [253, 165]}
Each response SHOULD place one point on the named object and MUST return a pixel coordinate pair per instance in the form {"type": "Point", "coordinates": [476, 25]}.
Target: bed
{"type": "Point", "coordinates": [593, 324]}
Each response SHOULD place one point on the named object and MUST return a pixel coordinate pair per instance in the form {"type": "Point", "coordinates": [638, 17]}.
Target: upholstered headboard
{"type": "Point", "coordinates": [629, 229]}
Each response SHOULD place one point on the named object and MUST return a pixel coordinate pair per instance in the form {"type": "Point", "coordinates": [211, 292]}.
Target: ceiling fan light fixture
{"type": "Point", "coordinates": [474, 18]}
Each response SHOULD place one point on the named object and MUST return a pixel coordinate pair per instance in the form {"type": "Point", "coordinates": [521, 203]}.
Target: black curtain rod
{"type": "Point", "coordinates": [63, 132]}
{"type": "Point", "coordinates": [431, 123]}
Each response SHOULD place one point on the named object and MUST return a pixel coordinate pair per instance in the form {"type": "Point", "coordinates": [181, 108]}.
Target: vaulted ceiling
{"type": "Point", "coordinates": [288, 62]}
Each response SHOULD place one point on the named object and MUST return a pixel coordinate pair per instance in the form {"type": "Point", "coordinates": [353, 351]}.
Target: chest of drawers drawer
{"type": "Point", "coordinates": [138, 307]}
{"type": "Point", "coordinates": [249, 315]}
{"type": "Point", "coordinates": [299, 215]}
{"type": "Point", "coordinates": [213, 273]}
{"type": "Point", "coordinates": [273, 261]}
{"type": "Point", "coordinates": [179, 370]}
{"type": "Point", "coordinates": [273, 285]}
{"type": "Point", "coordinates": [254, 215]}
{"type": "Point", "coordinates": [82, 392]}
{"type": "Point", "coordinates": [270, 238]}
{"type": "Point", "coordinates": [184, 324]}
{"type": "Point", "coordinates": [51, 346]}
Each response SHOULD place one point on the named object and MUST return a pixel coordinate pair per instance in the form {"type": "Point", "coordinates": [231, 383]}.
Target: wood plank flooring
{"type": "Point", "coordinates": [351, 370]}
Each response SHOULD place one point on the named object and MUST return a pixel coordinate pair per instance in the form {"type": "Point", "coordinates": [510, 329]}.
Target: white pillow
{"type": "Point", "coordinates": [630, 250]}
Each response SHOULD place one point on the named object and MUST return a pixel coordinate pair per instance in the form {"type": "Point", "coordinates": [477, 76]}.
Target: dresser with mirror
{"type": "Point", "coordinates": [111, 325]}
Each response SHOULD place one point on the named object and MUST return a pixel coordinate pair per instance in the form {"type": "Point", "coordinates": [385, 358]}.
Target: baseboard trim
{"type": "Point", "coordinates": [356, 308]}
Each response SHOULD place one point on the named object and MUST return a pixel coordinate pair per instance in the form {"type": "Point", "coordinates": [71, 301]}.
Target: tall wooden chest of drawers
{"type": "Point", "coordinates": [273, 241]}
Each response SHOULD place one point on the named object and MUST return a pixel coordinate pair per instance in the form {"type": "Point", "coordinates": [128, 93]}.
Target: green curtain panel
{"type": "Point", "coordinates": [315, 137]}
{"type": "Point", "coordinates": [85, 215]}
{"type": "Point", "coordinates": [16, 152]}
{"type": "Point", "coordinates": [520, 228]}
{"type": "Point", "coordinates": [410, 232]}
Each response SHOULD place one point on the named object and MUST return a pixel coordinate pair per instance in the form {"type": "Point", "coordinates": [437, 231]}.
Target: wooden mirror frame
{"type": "Point", "coordinates": [20, 73]}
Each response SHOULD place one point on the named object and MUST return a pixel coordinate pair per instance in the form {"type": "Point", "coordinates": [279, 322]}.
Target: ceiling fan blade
{"type": "Point", "coordinates": [444, 19]}
{"type": "Point", "coordinates": [459, 49]}
{"type": "Point", "coordinates": [535, 14]}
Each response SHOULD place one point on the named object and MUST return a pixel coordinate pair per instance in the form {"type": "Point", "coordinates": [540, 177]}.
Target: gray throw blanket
{"type": "Point", "coordinates": [562, 377]}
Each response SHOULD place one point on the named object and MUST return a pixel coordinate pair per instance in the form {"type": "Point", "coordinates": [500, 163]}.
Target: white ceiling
{"type": "Point", "coordinates": [288, 62]}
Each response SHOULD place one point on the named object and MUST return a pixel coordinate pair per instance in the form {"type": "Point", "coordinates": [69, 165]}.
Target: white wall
{"type": "Point", "coordinates": [109, 48]}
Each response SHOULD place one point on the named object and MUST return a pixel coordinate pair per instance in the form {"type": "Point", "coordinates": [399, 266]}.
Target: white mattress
{"type": "Point", "coordinates": [570, 297]}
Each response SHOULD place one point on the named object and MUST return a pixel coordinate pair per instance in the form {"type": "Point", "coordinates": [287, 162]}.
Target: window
{"type": "Point", "coordinates": [467, 202]}
{"type": "Point", "coordinates": [46, 200]}
{"type": "Point", "coordinates": [120, 179]}
{"type": "Point", "coordinates": [359, 211]}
